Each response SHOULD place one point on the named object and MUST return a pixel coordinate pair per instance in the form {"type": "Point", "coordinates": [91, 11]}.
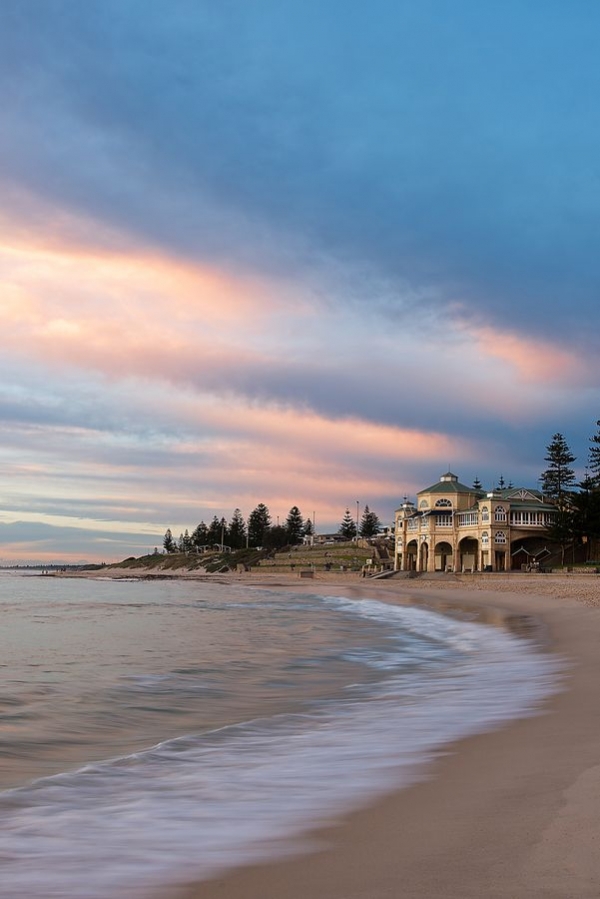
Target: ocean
{"type": "Point", "coordinates": [158, 732]}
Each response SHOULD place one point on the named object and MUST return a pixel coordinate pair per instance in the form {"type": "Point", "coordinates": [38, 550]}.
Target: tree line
{"type": "Point", "coordinates": [577, 516]}
{"type": "Point", "coordinates": [259, 530]}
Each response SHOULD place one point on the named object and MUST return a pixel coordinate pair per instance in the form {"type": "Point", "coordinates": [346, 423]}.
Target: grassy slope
{"type": "Point", "coordinates": [346, 554]}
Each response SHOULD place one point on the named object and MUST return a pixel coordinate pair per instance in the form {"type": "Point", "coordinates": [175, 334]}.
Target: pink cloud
{"type": "Point", "coordinates": [233, 455]}
{"type": "Point", "coordinates": [314, 432]}
{"type": "Point", "coordinates": [535, 361]}
{"type": "Point", "coordinates": [135, 315]}
{"type": "Point", "coordinates": [284, 456]}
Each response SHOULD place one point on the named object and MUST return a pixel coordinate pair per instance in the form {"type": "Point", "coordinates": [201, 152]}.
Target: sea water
{"type": "Point", "coordinates": [161, 732]}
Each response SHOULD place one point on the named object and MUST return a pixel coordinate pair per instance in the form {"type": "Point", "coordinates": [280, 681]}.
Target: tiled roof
{"type": "Point", "coordinates": [513, 493]}
{"type": "Point", "coordinates": [451, 487]}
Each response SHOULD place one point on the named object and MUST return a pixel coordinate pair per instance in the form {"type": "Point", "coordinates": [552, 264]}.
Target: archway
{"type": "Point", "coordinates": [411, 556]}
{"type": "Point", "coordinates": [467, 554]}
{"type": "Point", "coordinates": [443, 556]}
{"type": "Point", "coordinates": [424, 557]}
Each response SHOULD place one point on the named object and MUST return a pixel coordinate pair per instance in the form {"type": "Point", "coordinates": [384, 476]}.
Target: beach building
{"type": "Point", "coordinates": [453, 527]}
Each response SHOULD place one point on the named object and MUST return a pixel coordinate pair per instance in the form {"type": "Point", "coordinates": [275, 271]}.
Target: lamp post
{"type": "Point", "coordinates": [357, 510]}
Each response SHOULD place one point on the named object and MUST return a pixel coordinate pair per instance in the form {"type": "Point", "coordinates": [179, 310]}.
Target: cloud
{"type": "Point", "coordinates": [158, 318]}
{"type": "Point", "coordinates": [449, 162]}
{"type": "Point", "coordinates": [534, 360]}
{"type": "Point", "coordinates": [34, 543]}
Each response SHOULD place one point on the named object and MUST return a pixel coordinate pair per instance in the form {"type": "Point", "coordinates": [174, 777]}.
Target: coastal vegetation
{"type": "Point", "coordinates": [260, 532]}
{"type": "Point", "coordinates": [346, 556]}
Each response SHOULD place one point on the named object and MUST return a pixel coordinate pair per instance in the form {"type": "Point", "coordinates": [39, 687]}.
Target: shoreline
{"type": "Point", "coordinates": [507, 813]}
{"type": "Point", "coordinates": [579, 586]}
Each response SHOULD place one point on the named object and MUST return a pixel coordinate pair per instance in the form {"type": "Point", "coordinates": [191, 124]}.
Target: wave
{"type": "Point", "coordinates": [191, 807]}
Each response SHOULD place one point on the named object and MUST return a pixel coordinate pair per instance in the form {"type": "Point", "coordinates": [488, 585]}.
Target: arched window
{"type": "Point", "coordinates": [485, 538]}
{"type": "Point", "coordinates": [500, 537]}
{"type": "Point", "coordinates": [443, 503]}
{"type": "Point", "coordinates": [499, 513]}
{"type": "Point", "coordinates": [423, 504]}
{"type": "Point", "coordinates": [485, 513]}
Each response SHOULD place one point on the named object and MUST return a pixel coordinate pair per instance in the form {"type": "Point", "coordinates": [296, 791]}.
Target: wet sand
{"type": "Point", "coordinates": [513, 813]}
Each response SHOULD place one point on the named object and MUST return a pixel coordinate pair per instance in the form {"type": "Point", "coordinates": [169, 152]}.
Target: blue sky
{"type": "Point", "coordinates": [288, 252]}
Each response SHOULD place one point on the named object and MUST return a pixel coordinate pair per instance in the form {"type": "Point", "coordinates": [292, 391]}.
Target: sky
{"type": "Point", "coordinates": [287, 251]}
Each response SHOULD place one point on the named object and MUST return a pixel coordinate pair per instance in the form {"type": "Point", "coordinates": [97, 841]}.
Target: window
{"type": "Point", "coordinates": [485, 538]}
{"type": "Point", "coordinates": [423, 504]}
{"type": "Point", "coordinates": [528, 519]}
{"type": "Point", "coordinates": [467, 518]}
{"type": "Point", "coordinates": [500, 537]}
{"type": "Point", "coordinates": [499, 513]}
{"type": "Point", "coordinates": [443, 503]}
{"type": "Point", "coordinates": [485, 513]}
{"type": "Point", "coordinates": [444, 520]}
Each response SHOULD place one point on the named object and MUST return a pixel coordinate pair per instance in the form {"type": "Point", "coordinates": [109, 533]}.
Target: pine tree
{"type": "Point", "coordinates": [559, 478]}
{"type": "Point", "coordinates": [294, 526]}
{"type": "Point", "coordinates": [594, 466]}
{"type": "Point", "coordinates": [216, 530]}
{"type": "Point", "coordinates": [562, 529]}
{"type": "Point", "coordinates": [594, 457]}
{"type": "Point", "coordinates": [557, 483]}
{"type": "Point", "coordinates": [259, 523]}
{"type": "Point", "coordinates": [276, 537]}
{"type": "Point", "coordinates": [224, 535]}
{"type": "Point", "coordinates": [199, 535]}
{"type": "Point", "coordinates": [169, 542]}
{"type": "Point", "coordinates": [186, 542]}
{"type": "Point", "coordinates": [308, 528]}
{"type": "Point", "coordinates": [347, 528]}
{"type": "Point", "coordinates": [237, 530]}
{"type": "Point", "coordinates": [369, 524]}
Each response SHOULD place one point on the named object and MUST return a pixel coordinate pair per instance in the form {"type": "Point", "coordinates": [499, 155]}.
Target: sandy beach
{"type": "Point", "coordinates": [511, 813]}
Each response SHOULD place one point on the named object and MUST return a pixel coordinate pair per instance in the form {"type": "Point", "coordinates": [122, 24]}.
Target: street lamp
{"type": "Point", "coordinates": [357, 509]}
